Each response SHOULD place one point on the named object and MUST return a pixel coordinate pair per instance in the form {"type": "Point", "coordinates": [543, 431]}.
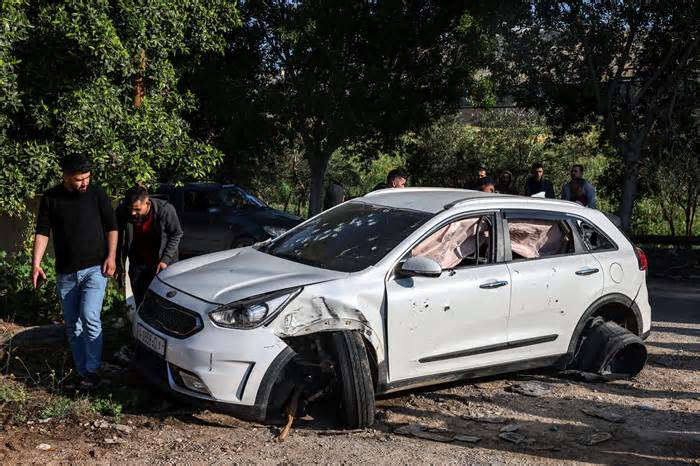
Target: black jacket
{"type": "Point", "coordinates": [166, 223]}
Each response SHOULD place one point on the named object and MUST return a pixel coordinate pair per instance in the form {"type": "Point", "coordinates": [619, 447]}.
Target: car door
{"type": "Point", "coordinates": [459, 319]}
{"type": "Point", "coordinates": [204, 230]}
{"type": "Point", "coordinates": [554, 279]}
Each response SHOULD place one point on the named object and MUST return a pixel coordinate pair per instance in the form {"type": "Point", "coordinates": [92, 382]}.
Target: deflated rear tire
{"type": "Point", "coordinates": [355, 387]}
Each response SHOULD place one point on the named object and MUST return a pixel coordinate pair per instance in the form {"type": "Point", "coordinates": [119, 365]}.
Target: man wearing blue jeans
{"type": "Point", "coordinates": [81, 218]}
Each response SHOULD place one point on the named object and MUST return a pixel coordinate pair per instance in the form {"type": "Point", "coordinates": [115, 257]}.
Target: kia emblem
{"type": "Point", "coordinates": [170, 294]}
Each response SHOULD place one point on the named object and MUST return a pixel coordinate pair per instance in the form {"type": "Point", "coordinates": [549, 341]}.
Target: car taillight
{"type": "Point", "coordinates": [641, 258]}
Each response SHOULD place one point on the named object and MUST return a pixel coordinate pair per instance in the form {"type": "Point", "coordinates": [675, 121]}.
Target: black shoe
{"type": "Point", "coordinates": [90, 382]}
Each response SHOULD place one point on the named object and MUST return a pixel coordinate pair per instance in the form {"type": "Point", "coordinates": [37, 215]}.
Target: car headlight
{"type": "Point", "coordinates": [274, 231]}
{"type": "Point", "coordinates": [252, 312]}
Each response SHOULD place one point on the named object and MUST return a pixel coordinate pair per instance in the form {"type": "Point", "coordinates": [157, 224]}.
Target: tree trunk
{"type": "Point", "coordinates": [629, 189]}
{"type": "Point", "coordinates": [318, 163]}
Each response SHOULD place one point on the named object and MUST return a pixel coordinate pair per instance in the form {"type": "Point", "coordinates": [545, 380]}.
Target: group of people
{"type": "Point", "coordinates": [92, 242]}
{"type": "Point", "coordinates": [577, 189]}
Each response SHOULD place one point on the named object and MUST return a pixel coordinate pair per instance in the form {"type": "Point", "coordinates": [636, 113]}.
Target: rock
{"type": "Point", "coordinates": [44, 421]}
{"type": "Point", "coordinates": [598, 437]}
{"type": "Point", "coordinates": [43, 446]}
{"type": "Point", "coordinates": [512, 437]}
{"type": "Point", "coordinates": [114, 440]}
{"type": "Point", "coordinates": [101, 424]}
{"type": "Point", "coordinates": [123, 428]}
{"type": "Point", "coordinates": [467, 438]}
{"type": "Point", "coordinates": [531, 388]}
{"type": "Point", "coordinates": [510, 428]}
{"type": "Point", "coordinates": [599, 413]}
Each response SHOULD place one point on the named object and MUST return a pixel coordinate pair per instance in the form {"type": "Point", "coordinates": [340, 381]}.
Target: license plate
{"type": "Point", "coordinates": [151, 340]}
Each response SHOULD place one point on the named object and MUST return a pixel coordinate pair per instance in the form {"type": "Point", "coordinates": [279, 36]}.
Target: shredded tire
{"type": "Point", "coordinates": [356, 390]}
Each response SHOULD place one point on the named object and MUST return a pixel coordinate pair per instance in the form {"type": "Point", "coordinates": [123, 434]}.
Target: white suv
{"type": "Point", "coordinates": [400, 288]}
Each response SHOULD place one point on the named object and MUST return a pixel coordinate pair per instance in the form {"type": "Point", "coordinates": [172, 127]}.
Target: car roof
{"type": "Point", "coordinates": [435, 200]}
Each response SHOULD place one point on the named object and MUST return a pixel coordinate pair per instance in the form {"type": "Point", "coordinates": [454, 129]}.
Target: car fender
{"type": "Point", "coordinates": [324, 314]}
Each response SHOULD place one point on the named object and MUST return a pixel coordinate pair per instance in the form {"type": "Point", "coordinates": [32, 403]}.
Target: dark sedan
{"type": "Point", "coordinates": [216, 217]}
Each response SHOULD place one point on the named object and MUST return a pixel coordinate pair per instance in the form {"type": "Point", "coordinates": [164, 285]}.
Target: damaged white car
{"type": "Point", "coordinates": [398, 289]}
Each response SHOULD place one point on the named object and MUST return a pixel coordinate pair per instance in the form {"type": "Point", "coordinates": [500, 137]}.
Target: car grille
{"type": "Point", "coordinates": [169, 317]}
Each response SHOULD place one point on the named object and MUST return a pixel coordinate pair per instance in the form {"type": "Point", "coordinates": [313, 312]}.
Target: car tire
{"type": "Point", "coordinates": [242, 242]}
{"type": "Point", "coordinates": [355, 386]}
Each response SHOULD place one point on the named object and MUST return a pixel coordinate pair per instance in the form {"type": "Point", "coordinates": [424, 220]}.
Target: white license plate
{"type": "Point", "coordinates": [151, 340]}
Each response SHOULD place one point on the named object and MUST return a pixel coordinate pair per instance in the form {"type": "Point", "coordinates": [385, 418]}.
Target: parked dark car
{"type": "Point", "coordinates": [216, 217]}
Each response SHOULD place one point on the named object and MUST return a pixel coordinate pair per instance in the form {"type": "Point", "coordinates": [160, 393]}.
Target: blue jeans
{"type": "Point", "coordinates": [81, 294]}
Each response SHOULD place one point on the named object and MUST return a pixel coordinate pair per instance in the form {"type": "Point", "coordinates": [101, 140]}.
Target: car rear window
{"type": "Point", "coordinates": [348, 238]}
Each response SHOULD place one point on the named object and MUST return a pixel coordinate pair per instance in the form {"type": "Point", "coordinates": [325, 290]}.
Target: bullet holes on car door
{"type": "Point", "coordinates": [450, 321]}
{"type": "Point", "coordinates": [554, 279]}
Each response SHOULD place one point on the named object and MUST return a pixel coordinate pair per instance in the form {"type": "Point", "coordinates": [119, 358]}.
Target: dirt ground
{"type": "Point", "coordinates": [654, 418]}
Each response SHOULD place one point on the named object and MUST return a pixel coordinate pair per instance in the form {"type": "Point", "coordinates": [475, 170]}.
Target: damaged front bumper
{"type": "Point", "coordinates": [232, 370]}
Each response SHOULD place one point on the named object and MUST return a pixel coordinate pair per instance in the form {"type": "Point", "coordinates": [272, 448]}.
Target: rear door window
{"type": "Point", "coordinates": [534, 237]}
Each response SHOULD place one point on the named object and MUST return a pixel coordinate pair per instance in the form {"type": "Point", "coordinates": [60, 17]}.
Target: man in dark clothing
{"type": "Point", "coordinates": [81, 218]}
{"type": "Point", "coordinates": [536, 183]}
{"type": "Point", "coordinates": [149, 236]}
{"type": "Point", "coordinates": [335, 194]}
{"type": "Point", "coordinates": [396, 178]}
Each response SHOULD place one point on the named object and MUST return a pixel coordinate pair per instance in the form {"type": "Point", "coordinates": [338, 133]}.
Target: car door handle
{"type": "Point", "coordinates": [493, 284]}
{"type": "Point", "coordinates": [589, 271]}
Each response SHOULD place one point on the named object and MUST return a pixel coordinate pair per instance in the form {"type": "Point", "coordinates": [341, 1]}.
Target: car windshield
{"type": "Point", "coordinates": [348, 238]}
{"type": "Point", "coordinates": [237, 197]}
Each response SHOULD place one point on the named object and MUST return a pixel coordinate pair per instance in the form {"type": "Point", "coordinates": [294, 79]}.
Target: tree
{"type": "Point", "coordinates": [616, 61]}
{"type": "Point", "coordinates": [102, 79]}
{"type": "Point", "coordinates": [341, 74]}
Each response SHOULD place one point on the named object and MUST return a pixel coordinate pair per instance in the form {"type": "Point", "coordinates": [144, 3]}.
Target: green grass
{"type": "Point", "coordinates": [107, 406]}
{"type": "Point", "coordinates": [12, 393]}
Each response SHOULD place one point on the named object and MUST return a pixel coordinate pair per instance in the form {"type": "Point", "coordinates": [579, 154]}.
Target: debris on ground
{"type": "Point", "coordinates": [601, 414]}
{"type": "Point", "coordinates": [512, 437]}
{"type": "Point", "coordinates": [531, 388]}
{"type": "Point", "coordinates": [467, 438]}
{"type": "Point", "coordinates": [510, 428]}
{"type": "Point", "coordinates": [43, 446]}
{"type": "Point", "coordinates": [598, 437]}
{"type": "Point", "coordinates": [416, 430]}
{"type": "Point", "coordinates": [485, 419]}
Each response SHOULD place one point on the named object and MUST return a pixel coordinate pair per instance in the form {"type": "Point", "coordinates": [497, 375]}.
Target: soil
{"type": "Point", "coordinates": [654, 418]}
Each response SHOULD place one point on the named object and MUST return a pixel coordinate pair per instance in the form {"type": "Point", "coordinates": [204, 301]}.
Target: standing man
{"type": "Point", "coordinates": [81, 218]}
{"type": "Point", "coordinates": [536, 183]}
{"type": "Point", "coordinates": [149, 236]}
{"type": "Point", "coordinates": [486, 185]}
{"type": "Point", "coordinates": [568, 194]}
{"type": "Point", "coordinates": [396, 178]}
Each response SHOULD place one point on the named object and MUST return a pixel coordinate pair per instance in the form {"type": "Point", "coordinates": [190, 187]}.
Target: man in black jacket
{"type": "Point", "coordinates": [536, 183]}
{"type": "Point", "coordinates": [81, 219]}
{"type": "Point", "coordinates": [149, 236]}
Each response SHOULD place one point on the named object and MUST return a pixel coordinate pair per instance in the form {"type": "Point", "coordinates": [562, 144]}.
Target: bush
{"type": "Point", "coordinates": [21, 303]}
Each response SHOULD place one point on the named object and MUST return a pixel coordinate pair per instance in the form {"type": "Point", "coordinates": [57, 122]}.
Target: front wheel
{"type": "Point", "coordinates": [355, 387]}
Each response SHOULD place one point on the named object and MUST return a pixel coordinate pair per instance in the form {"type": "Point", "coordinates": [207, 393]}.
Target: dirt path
{"type": "Point", "coordinates": [652, 419]}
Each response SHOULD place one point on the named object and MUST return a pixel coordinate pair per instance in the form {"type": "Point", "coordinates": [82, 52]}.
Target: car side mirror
{"type": "Point", "coordinates": [420, 266]}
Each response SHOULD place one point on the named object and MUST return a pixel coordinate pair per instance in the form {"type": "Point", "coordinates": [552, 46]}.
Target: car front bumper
{"type": "Point", "coordinates": [237, 368]}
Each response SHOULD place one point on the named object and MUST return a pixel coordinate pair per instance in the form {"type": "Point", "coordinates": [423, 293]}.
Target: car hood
{"type": "Point", "coordinates": [228, 276]}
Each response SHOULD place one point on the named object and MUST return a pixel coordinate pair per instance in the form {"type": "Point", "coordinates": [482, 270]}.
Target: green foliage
{"type": "Point", "coordinates": [12, 392]}
{"type": "Point", "coordinates": [21, 303]}
{"type": "Point", "coordinates": [56, 406]}
{"type": "Point", "coordinates": [449, 152]}
{"type": "Point", "coordinates": [69, 72]}
{"type": "Point", "coordinates": [107, 406]}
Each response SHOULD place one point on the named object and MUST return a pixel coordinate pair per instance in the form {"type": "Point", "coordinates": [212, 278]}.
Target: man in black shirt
{"type": "Point", "coordinates": [81, 218]}
{"type": "Point", "coordinates": [536, 183]}
{"type": "Point", "coordinates": [396, 178]}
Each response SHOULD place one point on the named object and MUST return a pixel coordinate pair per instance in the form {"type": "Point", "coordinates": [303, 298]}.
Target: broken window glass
{"type": "Point", "coordinates": [592, 238]}
{"type": "Point", "coordinates": [348, 238]}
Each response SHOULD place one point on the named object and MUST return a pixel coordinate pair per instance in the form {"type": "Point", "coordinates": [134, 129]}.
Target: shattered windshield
{"type": "Point", "coordinates": [349, 238]}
